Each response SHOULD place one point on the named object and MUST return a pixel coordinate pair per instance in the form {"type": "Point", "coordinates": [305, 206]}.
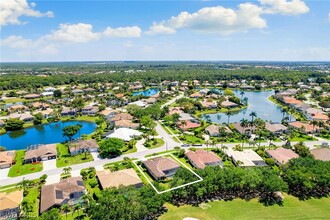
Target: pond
{"type": "Point", "coordinates": [258, 102]}
{"type": "Point", "coordinates": [148, 92]}
{"type": "Point", "coordinates": [42, 134]}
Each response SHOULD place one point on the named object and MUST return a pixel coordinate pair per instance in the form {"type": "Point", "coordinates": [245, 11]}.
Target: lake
{"type": "Point", "coordinates": [148, 92]}
{"type": "Point", "coordinates": [42, 134]}
{"type": "Point", "coordinates": [258, 102]}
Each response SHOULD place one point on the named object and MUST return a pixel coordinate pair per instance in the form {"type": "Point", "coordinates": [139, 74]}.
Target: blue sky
{"type": "Point", "coordinates": [278, 30]}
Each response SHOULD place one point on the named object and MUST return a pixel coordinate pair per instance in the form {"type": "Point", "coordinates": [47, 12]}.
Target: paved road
{"type": "Point", "coordinates": [173, 100]}
{"type": "Point", "coordinates": [169, 145]}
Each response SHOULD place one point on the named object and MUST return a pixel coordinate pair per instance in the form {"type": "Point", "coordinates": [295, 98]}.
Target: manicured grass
{"type": "Point", "coordinates": [20, 169]}
{"type": "Point", "coordinates": [132, 150]}
{"type": "Point", "coordinates": [33, 201]}
{"type": "Point", "coordinates": [14, 100]}
{"type": "Point", "coordinates": [157, 142]}
{"type": "Point", "coordinates": [170, 130]}
{"type": "Point", "coordinates": [65, 159]}
{"type": "Point", "coordinates": [240, 209]}
{"type": "Point", "coordinates": [302, 137]}
{"type": "Point", "coordinates": [75, 215]}
{"type": "Point", "coordinates": [191, 139]}
{"type": "Point", "coordinates": [120, 165]}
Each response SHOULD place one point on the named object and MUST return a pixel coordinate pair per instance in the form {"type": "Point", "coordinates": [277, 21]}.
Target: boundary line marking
{"type": "Point", "coordinates": [182, 164]}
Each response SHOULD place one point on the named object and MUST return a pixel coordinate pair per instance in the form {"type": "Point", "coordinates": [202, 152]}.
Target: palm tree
{"type": "Point", "coordinates": [25, 206]}
{"type": "Point", "coordinates": [244, 123]}
{"type": "Point", "coordinates": [66, 208]}
{"type": "Point", "coordinates": [228, 115]}
{"type": "Point", "coordinates": [283, 111]}
{"type": "Point", "coordinates": [314, 123]}
{"type": "Point", "coordinates": [253, 115]}
{"type": "Point", "coordinates": [67, 170]}
{"type": "Point", "coordinates": [222, 134]}
{"type": "Point", "coordinates": [76, 208]}
{"type": "Point", "coordinates": [242, 93]}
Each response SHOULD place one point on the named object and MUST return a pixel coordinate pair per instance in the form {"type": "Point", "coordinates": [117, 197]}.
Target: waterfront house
{"type": "Point", "coordinates": [246, 130]}
{"type": "Point", "coordinates": [161, 167]}
{"type": "Point", "coordinates": [90, 110]}
{"type": "Point", "coordinates": [213, 130]}
{"type": "Point", "coordinates": [126, 134]}
{"type": "Point", "coordinates": [275, 128]}
{"type": "Point", "coordinates": [32, 96]}
{"type": "Point", "coordinates": [185, 125]}
{"type": "Point", "coordinates": [196, 95]}
{"type": "Point", "coordinates": [37, 153]}
{"type": "Point", "coordinates": [67, 191]}
{"type": "Point", "coordinates": [7, 158]}
{"type": "Point", "coordinates": [80, 146]}
{"type": "Point", "coordinates": [229, 104]}
{"type": "Point", "coordinates": [17, 108]}
{"type": "Point", "coordinates": [68, 112]}
{"type": "Point", "coordinates": [304, 127]}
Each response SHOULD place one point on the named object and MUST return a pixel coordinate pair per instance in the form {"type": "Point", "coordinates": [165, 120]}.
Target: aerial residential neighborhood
{"type": "Point", "coordinates": [169, 110]}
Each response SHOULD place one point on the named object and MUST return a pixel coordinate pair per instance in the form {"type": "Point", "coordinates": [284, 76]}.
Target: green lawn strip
{"type": "Point", "coordinates": [159, 142]}
{"type": "Point", "coordinates": [20, 169]}
{"type": "Point", "coordinates": [241, 209]}
{"type": "Point", "coordinates": [32, 199]}
{"type": "Point", "coordinates": [163, 152]}
{"type": "Point", "coordinates": [191, 139]}
{"type": "Point", "coordinates": [65, 159]}
{"type": "Point", "coordinates": [169, 129]}
{"type": "Point", "coordinates": [302, 137]}
{"type": "Point", "coordinates": [132, 150]}
{"type": "Point", "coordinates": [75, 215]}
{"type": "Point", "coordinates": [120, 165]}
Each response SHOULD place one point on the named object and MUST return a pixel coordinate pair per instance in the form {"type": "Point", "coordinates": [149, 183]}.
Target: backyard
{"type": "Point", "coordinates": [65, 159]}
{"type": "Point", "coordinates": [22, 169]}
{"type": "Point", "coordinates": [240, 209]}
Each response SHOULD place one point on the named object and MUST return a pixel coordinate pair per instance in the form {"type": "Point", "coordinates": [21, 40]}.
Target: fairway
{"type": "Point", "coordinates": [240, 209]}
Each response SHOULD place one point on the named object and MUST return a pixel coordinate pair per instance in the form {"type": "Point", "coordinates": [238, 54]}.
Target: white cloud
{"type": "Point", "coordinates": [50, 49]}
{"type": "Point", "coordinates": [12, 10]}
{"type": "Point", "coordinates": [285, 7]}
{"type": "Point", "coordinates": [218, 19]}
{"type": "Point", "coordinates": [17, 42]}
{"type": "Point", "coordinates": [123, 32]}
{"type": "Point", "coordinates": [160, 28]}
{"type": "Point", "coordinates": [76, 33]}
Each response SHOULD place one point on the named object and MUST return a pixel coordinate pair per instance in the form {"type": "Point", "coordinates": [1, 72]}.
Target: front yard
{"type": "Point", "coordinates": [292, 208]}
{"type": "Point", "coordinates": [20, 169]}
{"type": "Point", "coordinates": [154, 143]}
{"type": "Point", "coordinates": [65, 159]}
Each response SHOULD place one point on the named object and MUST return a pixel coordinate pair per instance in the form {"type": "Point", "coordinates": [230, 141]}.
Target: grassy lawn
{"type": "Point", "coordinates": [191, 139]}
{"type": "Point", "coordinates": [132, 150]}
{"type": "Point", "coordinates": [240, 209]}
{"type": "Point", "coordinates": [157, 142]}
{"type": "Point", "coordinates": [120, 165]}
{"type": "Point", "coordinates": [75, 215]}
{"type": "Point", "coordinates": [169, 129]}
{"type": "Point", "coordinates": [14, 100]}
{"type": "Point", "coordinates": [65, 159]}
{"type": "Point", "coordinates": [302, 137]}
{"type": "Point", "coordinates": [33, 201]}
{"type": "Point", "coordinates": [22, 169]}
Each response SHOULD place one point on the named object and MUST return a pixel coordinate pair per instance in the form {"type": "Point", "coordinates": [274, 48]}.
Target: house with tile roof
{"type": "Point", "coordinates": [67, 191]}
{"type": "Point", "coordinates": [282, 155]}
{"type": "Point", "coordinates": [126, 177]}
{"type": "Point", "coordinates": [161, 167]}
{"type": "Point", "coordinates": [201, 158]}
{"type": "Point", "coordinates": [10, 204]}
{"type": "Point", "coordinates": [40, 153]}
{"type": "Point", "coordinates": [7, 158]}
{"type": "Point", "coordinates": [80, 146]}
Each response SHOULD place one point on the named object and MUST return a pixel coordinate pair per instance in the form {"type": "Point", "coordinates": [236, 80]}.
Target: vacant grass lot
{"type": "Point", "coordinates": [32, 199]}
{"type": "Point", "coordinates": [240, 209]}
{"type": "Point", "coordinates": [65, 159]}
{"type": "Point", "coordinates": [22, 169]}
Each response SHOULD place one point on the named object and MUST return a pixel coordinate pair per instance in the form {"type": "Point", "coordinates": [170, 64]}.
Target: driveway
{"type": "Point", "coordinates": [53, 179]}
{"type": "Point", "coordinates": [139, 145]}
{"type": "Point", "coordinates": [49, 164]}
{"type": "Point", "coordinates": [96, 156]}
{"type": "Point", "coordinates": [4, 173]}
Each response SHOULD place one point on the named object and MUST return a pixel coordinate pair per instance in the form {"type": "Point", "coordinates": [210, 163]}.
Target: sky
{"type": "Point", "coordinates": [114, 30]}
